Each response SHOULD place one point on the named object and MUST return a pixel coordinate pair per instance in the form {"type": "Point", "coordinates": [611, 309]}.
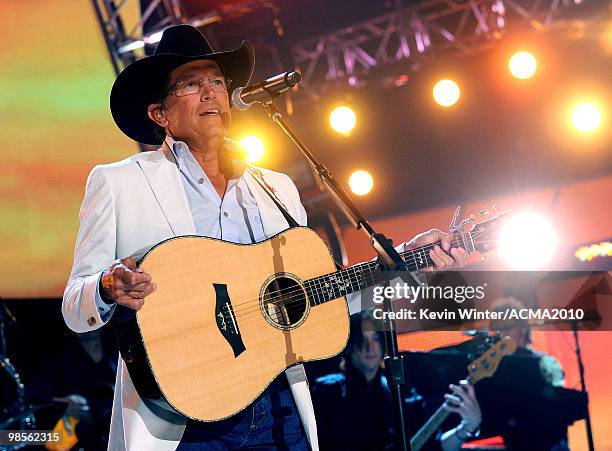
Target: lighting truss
{"type": "Point", "coordinates": [126, 39]}
{"type": "Point", "coordinates": [408, 34]}
{"type": "Point", "coordinates": [423, 29]}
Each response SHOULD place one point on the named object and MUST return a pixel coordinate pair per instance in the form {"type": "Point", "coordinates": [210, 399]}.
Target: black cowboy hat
{"type": "Point", "coordinates": [141, 83]}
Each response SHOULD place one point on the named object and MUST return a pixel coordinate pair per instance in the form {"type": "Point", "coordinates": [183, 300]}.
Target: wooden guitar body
{"type": "Point", "coordinates": [226, 318]}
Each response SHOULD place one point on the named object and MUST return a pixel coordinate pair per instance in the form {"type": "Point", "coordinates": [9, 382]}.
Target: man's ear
{"type": "Point", "coordinates": [156, 114]}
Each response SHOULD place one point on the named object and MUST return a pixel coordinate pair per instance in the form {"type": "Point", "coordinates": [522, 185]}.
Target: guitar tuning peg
{"type": "Point", "coordinates": [472, 219]}
{"type": "Point", "coordinates": [496, 208]}
{"type": "Point", "coordinates": [484, 213]}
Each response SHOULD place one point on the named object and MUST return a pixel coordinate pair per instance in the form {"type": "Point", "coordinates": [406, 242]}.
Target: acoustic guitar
{"type": "Point", "coordinates": [226, 318]}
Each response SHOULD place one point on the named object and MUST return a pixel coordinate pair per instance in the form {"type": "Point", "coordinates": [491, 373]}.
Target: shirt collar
{"type": "Point", "coordinates": [178, 149]}
{"type": "Point", "coordinates": [181, 153]}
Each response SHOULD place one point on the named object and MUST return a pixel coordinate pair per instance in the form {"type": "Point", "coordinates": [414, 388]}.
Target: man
{"type": "Point", "coordinates": [520, 331]}
{"type": "Point", "coordinates": [180, 98]}
{"type": "Point", "coordinates": [353, 407]}
{"type": "Point", "coordinates": [551, 431]}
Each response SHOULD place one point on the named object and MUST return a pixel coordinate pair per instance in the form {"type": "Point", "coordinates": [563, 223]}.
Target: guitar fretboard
{"type": "Point", "coordinates": [364, 275]}
{"type": "Point", "coordinates": [432, 425]}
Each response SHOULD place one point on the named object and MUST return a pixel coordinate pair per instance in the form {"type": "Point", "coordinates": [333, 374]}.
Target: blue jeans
{"type": "Point", "coordinates": [270, 423]}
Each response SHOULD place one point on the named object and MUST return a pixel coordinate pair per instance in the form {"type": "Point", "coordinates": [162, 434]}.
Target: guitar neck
{"type": "Point", "coordinates": [364, 275]}
{"type": "Point", "coordinates": [429, 428]}
{"type": "Point", "coordinates": [433, 423]}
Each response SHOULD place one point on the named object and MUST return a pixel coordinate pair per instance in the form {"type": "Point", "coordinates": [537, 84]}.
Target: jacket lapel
{"type": "Point", "coordinates": [164, 180]}
{"type": "Point", "coordinates": [272, 219]}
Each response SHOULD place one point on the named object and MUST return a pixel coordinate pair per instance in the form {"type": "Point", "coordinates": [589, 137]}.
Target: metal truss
{"type": "Point", "coordinates": [414, 32]}
{"type": "Point", "coordinates": [407, 34]}
{"type": "Point", "coordinates": [128, 40]}
{"type": "Point", "coordinates": [124, 44]}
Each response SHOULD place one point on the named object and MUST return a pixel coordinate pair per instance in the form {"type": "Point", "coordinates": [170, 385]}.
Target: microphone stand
{"type": "Point", "coordinates": [589, 430]}
{"type": "Point", "coordinates": [388, 259]}
{"type": "Point", "coordinates": [591, 316]}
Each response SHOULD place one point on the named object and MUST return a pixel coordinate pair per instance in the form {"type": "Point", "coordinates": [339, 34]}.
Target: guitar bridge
{"type": "Point", "coordinates": [226, 319]}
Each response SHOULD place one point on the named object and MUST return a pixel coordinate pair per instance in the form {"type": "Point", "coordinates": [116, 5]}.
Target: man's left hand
{"type": "Point", "coordinates": [443, 255]}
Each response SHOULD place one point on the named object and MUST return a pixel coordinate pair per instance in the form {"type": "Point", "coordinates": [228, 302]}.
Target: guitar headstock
{"type": "Point", "coordinates": [485, 236]}
{"type": "Point", "coordinates": [487, 363]}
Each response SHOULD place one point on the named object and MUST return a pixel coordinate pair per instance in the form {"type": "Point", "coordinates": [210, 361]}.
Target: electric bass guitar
{"type": "Point", "coordinates": [484, 366]}
{"type": "Point", "coordinates": [226, 318]}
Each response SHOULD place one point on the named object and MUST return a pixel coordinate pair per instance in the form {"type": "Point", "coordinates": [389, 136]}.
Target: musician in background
{"type": "Point", "coordinates": [520, 331]}
{"type": "Point", "coordinates": [550, 434]}
{"type": "Point", "coordinates": [353, 406]}
{"type": "Point", "coordinates": [194, 184]}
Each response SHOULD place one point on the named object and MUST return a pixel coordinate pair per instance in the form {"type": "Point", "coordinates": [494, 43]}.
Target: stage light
{"type": "Point", "coordinates": [588, 253]}
{"type": "Point", "coordinates": [361, 182]}
{"type": "Point", "coordinates": [446, 93]}
{"type": "Point", "coordinates": [527, 242]}
{"type": "Point", "coordinates": [342, 120]}
{"type": "Point", "coordinates": [586, 117]}
{"type": "Point", "coordinates": [522, 65]}
{"type": "Point", "coordinates": [154, 38]}
{"type": "Point", "coordinates": [255, 148]}
{"type": "Point", "coordinates": [138, 44]}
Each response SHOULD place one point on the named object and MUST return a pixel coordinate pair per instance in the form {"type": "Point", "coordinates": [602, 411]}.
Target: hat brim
{"type": "Point", "coordinates": [140, 84]}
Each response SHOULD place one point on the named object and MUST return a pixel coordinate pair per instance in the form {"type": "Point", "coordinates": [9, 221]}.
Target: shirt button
{"type": "Point", "coordinates": [201, 180]}
{"type": "Point", "coordinates": [225, 214]}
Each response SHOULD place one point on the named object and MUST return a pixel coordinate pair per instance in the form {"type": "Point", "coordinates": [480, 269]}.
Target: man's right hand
{"type": "Point", "coordinates": [126, 284]}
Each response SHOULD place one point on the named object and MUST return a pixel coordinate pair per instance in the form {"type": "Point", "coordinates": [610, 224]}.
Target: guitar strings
{"type": "Point", "coordinates": [355, 277]}
{"type": "Point", "coordinates": [296, 295]}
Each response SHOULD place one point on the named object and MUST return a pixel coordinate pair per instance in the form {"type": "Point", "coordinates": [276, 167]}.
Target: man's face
{"type": "Point", "coordinates": [519, 334]}
{"type": "Point", "coordinates": [367, 357]}
{"type": "Point", "coordinates": [196, 117]}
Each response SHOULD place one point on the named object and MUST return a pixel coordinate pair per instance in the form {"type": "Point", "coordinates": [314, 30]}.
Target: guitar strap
{"type": "Point", "coordinates": [296, 375]}
{"type": "Point", "coordinates": [258, 176]}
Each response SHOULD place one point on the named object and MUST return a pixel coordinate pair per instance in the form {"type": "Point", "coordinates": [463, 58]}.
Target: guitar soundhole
{"type": "Point", "coordinates": [284, 302]}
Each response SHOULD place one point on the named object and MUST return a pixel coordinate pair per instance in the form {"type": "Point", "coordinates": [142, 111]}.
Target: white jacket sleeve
{"type": "Point", "coordinates": [95, 250]}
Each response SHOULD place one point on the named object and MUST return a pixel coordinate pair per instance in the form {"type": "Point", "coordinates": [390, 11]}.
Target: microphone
{"type": "Point", "coordinates": [265, 91]}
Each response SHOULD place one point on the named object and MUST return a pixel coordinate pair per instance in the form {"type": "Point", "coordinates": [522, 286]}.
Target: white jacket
{"type": "Point", "coordinates": [130, 206]}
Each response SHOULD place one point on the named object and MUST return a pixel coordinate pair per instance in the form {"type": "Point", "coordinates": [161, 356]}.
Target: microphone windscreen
{"type": "Point", "coordinates": [237, 101]}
